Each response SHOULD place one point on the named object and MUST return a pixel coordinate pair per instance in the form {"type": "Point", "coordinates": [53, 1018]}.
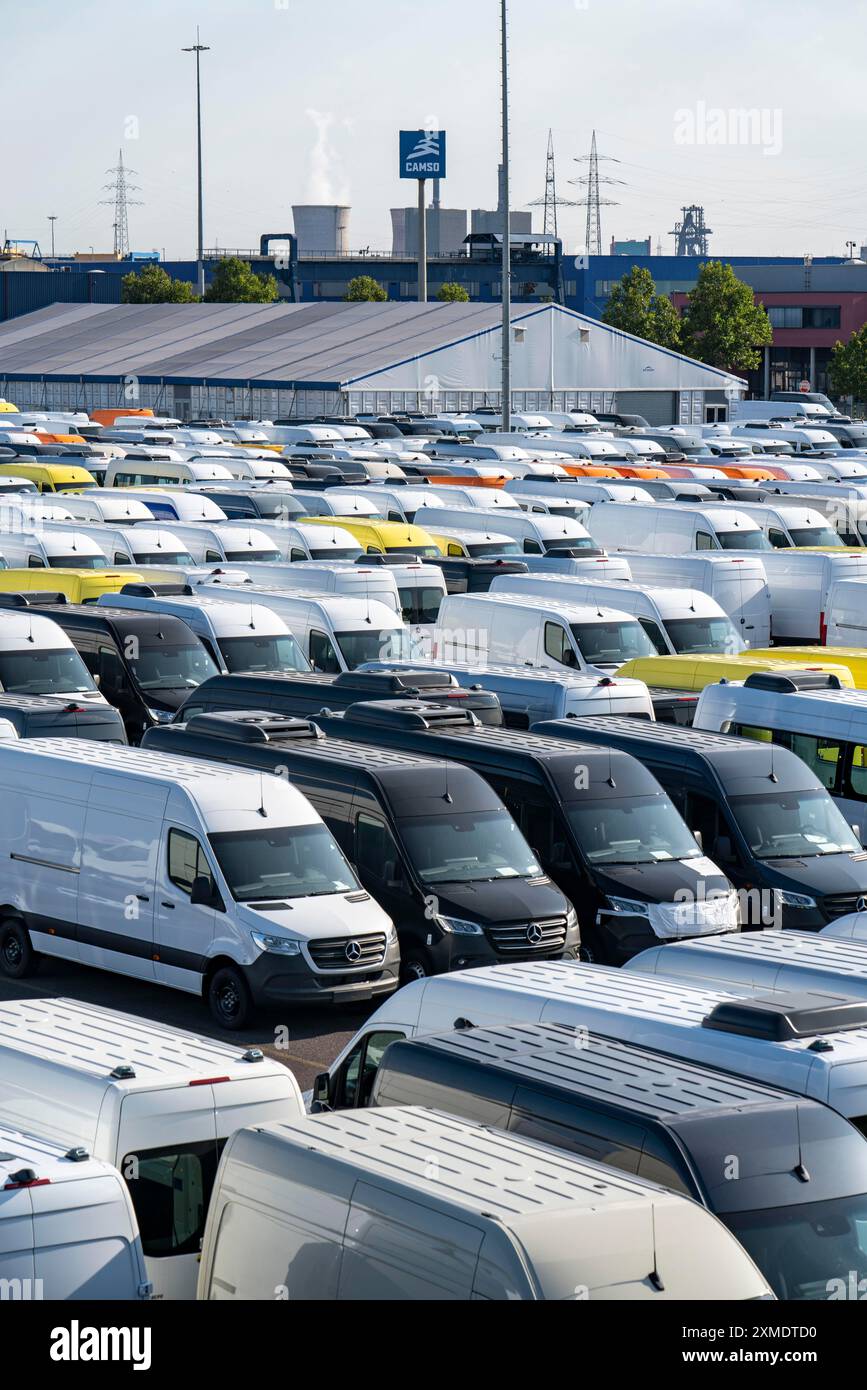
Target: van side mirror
{"type": "Point", "coordinates": [204, 894]}
{"type": "Point", "coordinates": [321, 1098]}
{"type": "Point", "coordinates": [699, 838]}
{"type": "Point", "coordinates": [723, 850]}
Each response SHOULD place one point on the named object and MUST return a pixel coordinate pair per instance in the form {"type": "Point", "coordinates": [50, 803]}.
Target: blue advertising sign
{"type": "Point", "coordinates": [422, 154]}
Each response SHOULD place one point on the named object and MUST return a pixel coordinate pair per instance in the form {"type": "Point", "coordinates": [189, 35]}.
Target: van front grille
{"type": "Point", "coordinates": [842, 904]}
{"type": "Point", "coordinates": [348, 952]}
{"type": "Point", "coordinates": [529, 940]}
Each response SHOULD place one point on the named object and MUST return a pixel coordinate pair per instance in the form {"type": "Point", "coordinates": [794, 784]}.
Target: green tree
{"type": "Point", "coordinates": [635, 307]}
{"type": "Point", "coordinates": [365, 290]}
{"type": "Point", "coordinates": [847, 369]}
{"type": "Point", "coordinates": [452, 293]}
{"type": "Point", "coordinates": [723, 325]}
{"type": "Point", "coordinates": [152, 285]}
{"type": "Point", "coordinates": [235, 283]}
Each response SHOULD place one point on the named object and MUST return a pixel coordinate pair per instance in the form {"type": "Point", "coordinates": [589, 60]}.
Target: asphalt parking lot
{"type": "Point", "coordinates": [306, 1041]}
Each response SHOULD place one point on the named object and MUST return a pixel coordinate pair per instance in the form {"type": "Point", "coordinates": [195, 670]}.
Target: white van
{"type": "Point", "coordinates": [826, 727]}
{"type": "Point", "coordinates": [408, 1204]}
{"type": "Point", "coordinates": [335, 633]}
{"type": "Point", "coordinates": [50, 546]}
{"type": "Point", "coordinates": [536, 535]}
{"type": "Point", "coordinates": [510, 629]}
{"type": "Point", "coordinates": [772, 962]}
{"type": "Point", "coordinates": [486, 499]}
{"type": "Point", "coordinates": [169, 503]}
{"type": "Point", "coordinates": [777, 1040]}
{"type": "Point", "coordinates": [795, 526]}
{"type": "Point", "coordinates": [140, 544]}
{"type": "Point", "coordinates": [251, 638]}
{"type": "Point", "coordinates": [244, 467]}
{"type": "Point", "coordinates": [668, 527]}
{"type": "Point", "coordinates": [529, 494]}
{"type": "Point", "coordinates": [300, 541]}
{"type": "Point", "coordinates": [738, 583]}
{"type": "Point", "coordinates": [157, 1102]}
{"type": "Point", "coordinates": [114, 508]}
{"type": "Point", "coordinates": [800, 584]}
{"type": "Point", "coordinates": [401, 503]}
{"type": "Point", "coordinates": [38, 658]}
{"type": "Point", "coordinates": [67, 1227]}
{"type": "Point", "coordinates": [342, 502]}
{"type": "Point", "coordinates": [846, 619]}
{"type": "Point", "coordinates": [229, 541]}
{"type": "Point", "coordinates": [314, 576]}
{"type": "Point", "coordinates": [207, 879]}
{"type": "Point", "coordinates": [529, 697]}
{"type": "Point", "coordinates": [143, 472]}
{"type": "Point", "coordinates": [679, 622]}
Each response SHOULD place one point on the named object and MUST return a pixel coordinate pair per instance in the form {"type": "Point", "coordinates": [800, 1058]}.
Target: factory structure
{"type": "Point", "coordinates": [297, 360]}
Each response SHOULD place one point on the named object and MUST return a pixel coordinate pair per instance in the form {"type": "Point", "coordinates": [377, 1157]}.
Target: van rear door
{"type": "Point", "coordinates": [85, 1242]}
{"type": "Point", "coordinates": [168, 1152]}
{"type": "Point", "coordinates": [741, 591]}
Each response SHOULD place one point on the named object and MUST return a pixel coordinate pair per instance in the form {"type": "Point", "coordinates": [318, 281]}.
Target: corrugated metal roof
{"type": "Point", "coordinates": [327, 346]}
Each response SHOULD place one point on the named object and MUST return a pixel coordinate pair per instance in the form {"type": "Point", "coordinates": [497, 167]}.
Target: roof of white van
{"type": "Point", "coordinates": [26, 629]}
{"type": "Point", "coordinates": [573, 612]}
{"type": "Point", "coordinates": [357, 612]}
{"type": "Point", "coordinates": [485, 1170]}
{"type": "Point", "coordinates": [92, 1041]}
{"type": "Point", "coordinates": [47, 1159]}
{"type": "Point", "coordinates": [782, 953]}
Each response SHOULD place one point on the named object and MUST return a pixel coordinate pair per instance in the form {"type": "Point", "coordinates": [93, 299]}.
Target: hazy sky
{"type": "Point", "coordinates": [302, 103]}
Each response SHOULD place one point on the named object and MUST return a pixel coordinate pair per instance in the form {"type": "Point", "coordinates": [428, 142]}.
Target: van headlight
{"type": "Point", "coordinates": [277, 945]}
{"type": "Point", "coordinates": [630, 906]}
{"type": "Point", "coordinates": [161, 716]}
{"type": "Point", "coordinates": [571, 919]}
{"type": "Point", "coordinates": [391, 936]}
{"type": "Point", "coordinates": [460, 927]}
{"type": "Point", "coordinates": [795, 900]}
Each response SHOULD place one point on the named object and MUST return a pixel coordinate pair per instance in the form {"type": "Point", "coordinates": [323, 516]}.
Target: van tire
{"type": "Point", "coordinates": [17, 956]}
{"type": "Point", "coordinates": [414, 966]}
{"type": "Point", "coordinates": [229, 998]}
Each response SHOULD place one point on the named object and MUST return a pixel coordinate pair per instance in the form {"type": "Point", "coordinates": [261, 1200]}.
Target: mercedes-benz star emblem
{"type": "Point", "coordinates": [861, 905]}
{"type": "Point", "coordinates": [353, 951]}
{"type": "Point", "coordinates": [534, 933]}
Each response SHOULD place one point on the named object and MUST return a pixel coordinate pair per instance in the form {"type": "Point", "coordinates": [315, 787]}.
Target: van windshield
{"type": "Point", "coordinates": [743, 540]}
{"type": "Point", "coordinates": [571, 543]}
{"type": "Point", "coordinates": [283, 861]}
{"type": "Point", "coordinates": [793, 825]}
{"type": "Point", "coordinates": [263, 654]}
{"type": "Point", "coordinates": [613, 642]}
{"type": "Point", "coordinates": [267, 556]}
{"type": "Point", "coordinates": [360, 647]}
{"type": "Point", "coordinates": [420, 605]}
{"type": "Point", "coordinates": [631, 830]}
{"type": "Point", "coordinates": [335, 553]}
{"type": "Point", "coordinates": [816, 535]}
{"type": "Point", "coordinates": [809, 1251]}
{"type": "Point", "coordinates": [164, 557]}
{"type": "Point", "coordinates": [471, 847]}
{"type": "Point", "coordinates": [78, 562]}
{"type": "Point", "coordinates": [172, 667]}
{"type": "Point", "coordinates": [44, 673]}
{"type": "Point", "coordinates": [704, 635]}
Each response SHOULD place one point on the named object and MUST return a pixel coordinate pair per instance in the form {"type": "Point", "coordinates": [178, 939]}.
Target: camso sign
{"type": "Point", "coordinates": [422, 154]}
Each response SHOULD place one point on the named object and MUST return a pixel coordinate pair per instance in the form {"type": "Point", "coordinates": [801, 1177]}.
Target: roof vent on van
{"type": "Point", "coordinates": [411, 714]}
{"type": "Point", "coordinates": [123, 1072]}
{"type": "Point", "coordinates": [77, 1155]}
{"type": "Point", "coordinates": [253, 726]}
{"type": "Point", "coordinates": [463, 1025]}
{"type": "Point", "coordinates": [787, 1017]}
{"type": "Point", "coordinates": [253, 1054]}
{"type": "Point", "coordinates": [32, 600]}
{"type": "Point", "coordinates": [792, 681]}
{"type": "Point", "coordinates": [25, 1177]}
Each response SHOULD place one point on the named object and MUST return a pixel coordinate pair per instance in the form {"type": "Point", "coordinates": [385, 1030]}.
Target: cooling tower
{"type": "Point", "coordinates": [322, 227]}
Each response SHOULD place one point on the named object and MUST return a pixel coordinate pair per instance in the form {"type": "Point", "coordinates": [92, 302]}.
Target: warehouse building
{"type": "Point", "coordinates": [278, 360]}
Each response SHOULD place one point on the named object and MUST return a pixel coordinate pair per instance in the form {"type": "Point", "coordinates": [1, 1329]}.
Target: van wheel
{"type": "Point", "coordinates": [414, 967]}
{"type": "Point", "coordinates": [17, 956]}
{"type": "Point", "coordinates": [229, 998]}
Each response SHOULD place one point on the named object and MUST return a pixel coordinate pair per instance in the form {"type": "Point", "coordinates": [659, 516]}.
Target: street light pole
{"type": "Point", "coordinates": [52, 217]}
{"type": "Point", "coordinates": [199, 48]}
{"type": "Point", "coordinates": [507, 233]}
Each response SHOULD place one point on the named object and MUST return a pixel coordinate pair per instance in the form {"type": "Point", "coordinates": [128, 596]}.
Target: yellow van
{"type": "Point", "coordinates": [695, 672]}
{"type": "Point", "coordinates": [78, 586]}
{"type": "Point", "coordinates": [50, 477]}
{"type": "Point", "coordinates": [853, 658]}
{"type": "Point", "coordinates": [382, 537]}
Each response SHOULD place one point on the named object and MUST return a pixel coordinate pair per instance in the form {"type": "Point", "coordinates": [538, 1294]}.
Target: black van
{"type": "Point", "coordinates": [42, 716]}
{"type": "Point", "coordinates": [760, 812]}
{"type": "Point", "coordinates": [145, 664]}
{"type": "Point", "coordinates": [788, 1176]}
{"type": "Point", "coordinates": [476, 576]}
{"type": "Point", "coordinates": [305, 695]}
{"type": "Point", "coordinates": [429, 840]}
{"type": "Point", "coordinates": [597, 821]}
{"type": "Point", "coordinates": [259, 504]}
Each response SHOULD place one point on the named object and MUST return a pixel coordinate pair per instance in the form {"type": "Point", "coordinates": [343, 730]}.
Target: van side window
{"type": "Point", "coordinates": [661, 1163]}
{"type": "Point", "coordinates": [823, 756]}
{"type": "Point", "coordinates": [533, 548]}
{"type": "Point", "coordinates": [375, 850]}
{"type": "Point", "coordinates": [358, 1073]}
{"type": "Point", "coordinates": [35, 563]}
{"type": "Point", "coordinates": [170, 1191]}
{"type": "Point", "coordinates": [857, 778]}
{"type": "Point", "coordinates": [654, 632]}
{"type": "Point", "coordinates": [779, 540]}
{"type": "Point", "coordinates": [296, 556]}
{"type": "Point", "coordinates": [187, 860]}
{"type": "Point", "coordinates": [121, 559]}
{"type": "Point", "coordinates": [557, 645]}
{"type": "Point", "coordinates": [704, 541]}
{"type": "Point", "coordinates": [323, 657]}
{"type": "Point", "coordinates": [605, 1138]}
